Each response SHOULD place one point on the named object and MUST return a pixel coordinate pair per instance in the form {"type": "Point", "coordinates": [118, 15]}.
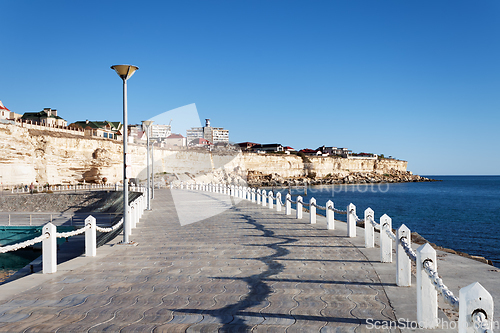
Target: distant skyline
{"type": "Point", "coordinates": [419, 81]}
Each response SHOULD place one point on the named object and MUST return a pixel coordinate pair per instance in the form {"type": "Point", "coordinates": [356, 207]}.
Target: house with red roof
{"type": "Point", "coordinates": [7, 114]}
{"type": "Point", "coordinates": [175, 140]}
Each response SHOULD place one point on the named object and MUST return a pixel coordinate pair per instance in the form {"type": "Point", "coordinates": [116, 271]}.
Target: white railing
{"type": "Point", "coordinates": [50, 234]}
{"type": "Point", "coordinates": [81, 187]}
{"type": "Point", "coordinates": [475, 304]}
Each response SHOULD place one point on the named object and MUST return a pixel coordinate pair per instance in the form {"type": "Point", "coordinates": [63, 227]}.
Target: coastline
{"type": "Point", "coordinates": [256, 178]}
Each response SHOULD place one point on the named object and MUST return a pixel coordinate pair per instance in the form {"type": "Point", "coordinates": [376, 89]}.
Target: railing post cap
{"type": "Point", "coordinates": [426, 249]}
{"type": "Point", "coordinates": [312, 200]}
{"type": "Point", "coordinates": [89, 218]}
{"type": "Point", "coordinates": [351, 205]}
{"type": "Point", "coordinates": [385, 217]}
{"type": "Point", "coordinates": [368, 210]}
{"type": "Point", "coordinates": [403, 228]}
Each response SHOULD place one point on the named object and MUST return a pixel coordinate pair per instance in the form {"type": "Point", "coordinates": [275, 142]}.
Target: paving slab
{"type": "Point", "coordinates": [228, 266]}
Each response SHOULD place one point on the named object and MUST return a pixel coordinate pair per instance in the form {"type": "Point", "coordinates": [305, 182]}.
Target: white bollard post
{"type": "Point", "coordinates": [288, 204]}
{"type": "Point", "coordinates": [137, 214]}
{"type": "Point", "coordinates": [128, 228]}
{"type": "Point", "coordinates": [475, 309]}
{"type": "Point", "coordinates": [278, 202]}
{"type": "Point", "coordinates": [90, 237]}
{"type": "Point", "coordinates": [427, 302]}
{"type": "Point", "coordinates": [385, 240]}
{"type": "Point", "coordinates": [258, 196]}
{"type": "Point", "coordinates": [133, 221]}
{"type": "Point", "coordinates": [369, 230]}
{"type": "Point", "coordinates": [270, 200]}
{"type": "Point", "coordinates": [264, 198]}
{"type": "Point", "coordinates": [403, 263]}
{"type": "Point", "coordinates": [299, 207]}
{"type": "Point", "coordinates": [330, 214]}
{"type": "Point", "coordinates": [351, 220]}
{"type": "Point", "coordinates": [253, 195]}
{"type": "Point", "coordinates": [312, 211]}
{"type": "Point", "coordinates": [49, 249]}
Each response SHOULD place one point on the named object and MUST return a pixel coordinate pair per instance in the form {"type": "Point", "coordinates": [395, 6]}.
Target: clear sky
{"type": "Point", "coordinates": [418, 80]}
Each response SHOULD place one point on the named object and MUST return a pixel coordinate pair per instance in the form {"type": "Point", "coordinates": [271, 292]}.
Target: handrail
{"type": "Point", "coordinates": [49, 230]}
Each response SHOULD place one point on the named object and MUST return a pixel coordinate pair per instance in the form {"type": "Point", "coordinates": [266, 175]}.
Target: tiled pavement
{"type": "Point", "coordinates": [246, 269]}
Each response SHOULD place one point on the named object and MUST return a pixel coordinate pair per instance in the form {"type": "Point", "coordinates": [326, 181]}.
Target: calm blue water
{"type": "Point", "coordinates": [459, 212]}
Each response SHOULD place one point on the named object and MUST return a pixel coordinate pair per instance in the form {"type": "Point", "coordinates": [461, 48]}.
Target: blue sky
{"type": "Point", "coordinates": [418, 80]}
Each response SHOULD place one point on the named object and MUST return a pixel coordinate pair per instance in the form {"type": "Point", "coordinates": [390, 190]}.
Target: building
{"type": "Point", "coordinates": [213, 134]}
{"type": "Point", "coordinates": [46, 117]}
{"type": "Point", "coordinates": [194, 133]}
{"type": "Point", "coordinates": [7, 114]}
{"type": "Point", "coordinates": [310, 152]}
{"type": "Point", "coordinates": [160, 132]}
{"type": "Point", "coordinates": [344, 152]}
{"type": "Point", "coordinates": [100, 129]}
{"type": "Point", "coordinates": [175, 140]}
{"type": "Point", "coordinates": [200, 142]}
{"type": "Point", "coordinates": [247, 146]}
{"type": "Point", "coordinates": [268, 148]}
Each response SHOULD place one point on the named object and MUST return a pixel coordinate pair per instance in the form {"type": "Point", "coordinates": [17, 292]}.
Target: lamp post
{"type": "Point", "coordinates": [125, 72]}
{"type": "Point", "coordinates": [147, 124]}
{"type": "Point", "coordinates": [153, 168]}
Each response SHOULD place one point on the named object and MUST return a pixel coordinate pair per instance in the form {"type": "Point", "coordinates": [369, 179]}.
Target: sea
{"type": "Point", "coordinates": [457, 212]}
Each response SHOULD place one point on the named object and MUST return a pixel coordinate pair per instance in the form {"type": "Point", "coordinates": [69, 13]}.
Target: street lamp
{"type": "Point", "coordinates": [153, 168]}
{"type": "Point", "coordinates": [147, 124]}
{"type": "Point", "coordinates": [125, 72]}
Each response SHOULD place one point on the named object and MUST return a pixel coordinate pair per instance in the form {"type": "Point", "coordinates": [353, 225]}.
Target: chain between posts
{"type": "Point", "coordinates": [358, 219]}
{"type": "Point", "coordinates": [480, 322]}
{"type": "Point", "coordinates": [391, 234]}
{"type": "Point", "coordinates": [113, 228]}
{"type": "Point", "coordinates": [338, 211]}
{"type": "Point", "coordinates": [72, 233]}
{"type": "Point", "coordinates": [22, 245]}
{"type": "Point", "coordinates": [409, 251]}
{"type": "Point", "coordinates": [319, 207]}
{"type": "Point", "coordinates": [31, 242]}
{"type": "Point", "coordinates": [440, 286]}
{"type": "Point", "coordinates": [374, 223]}
{"type": "Point", "coordinates": [290, 200]}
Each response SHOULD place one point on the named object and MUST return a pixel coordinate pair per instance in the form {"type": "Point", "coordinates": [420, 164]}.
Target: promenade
{"type": "Point", "coordinates": [247, 268]}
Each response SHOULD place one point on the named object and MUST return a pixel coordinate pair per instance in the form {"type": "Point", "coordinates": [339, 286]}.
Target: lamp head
{"type": "Point", "coordinates": [124, 71]}
{"type": "Point", "coordinates": [147, 123]}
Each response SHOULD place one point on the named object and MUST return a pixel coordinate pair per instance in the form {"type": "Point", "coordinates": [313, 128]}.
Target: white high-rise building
{"type": "Point", "coordinates": [212, 134]}
{"type": "Point", "coordinates": [160, 132]}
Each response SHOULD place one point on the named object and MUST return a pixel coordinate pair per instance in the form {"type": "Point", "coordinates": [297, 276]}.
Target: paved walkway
{"type": "Point", "coordinates": [247, 268]}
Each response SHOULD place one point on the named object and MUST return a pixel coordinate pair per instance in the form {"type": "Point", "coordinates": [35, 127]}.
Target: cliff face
{"type": "Point", "coordinates": [29, 155]}
{"type": "Point", "coordinates": [289, 166]}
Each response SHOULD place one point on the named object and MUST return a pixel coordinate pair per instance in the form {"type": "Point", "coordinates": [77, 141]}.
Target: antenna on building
{"type": "Point", "coordinates": [207, 122]}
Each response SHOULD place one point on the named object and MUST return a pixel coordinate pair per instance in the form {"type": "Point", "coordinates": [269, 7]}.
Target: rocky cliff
{"type": "Point", "coordinates": [29, 155]}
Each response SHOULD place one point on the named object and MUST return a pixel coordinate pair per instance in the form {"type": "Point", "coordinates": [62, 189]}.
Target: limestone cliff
{"type": "Point", "coordinates": [30, 155]}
